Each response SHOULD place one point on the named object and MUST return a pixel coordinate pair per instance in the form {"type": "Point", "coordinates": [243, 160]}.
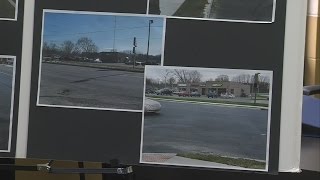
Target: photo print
{"type": "Point", "coordinates": [8, 9]}
{"type": "Point", "coordinates": [7, 79]}
{"type": "Point", "coordinates": [206, 117]}
{"type": "Point", "coordinates": [96, 60]}
{"type": "Point", "coordinates": [259, 11]}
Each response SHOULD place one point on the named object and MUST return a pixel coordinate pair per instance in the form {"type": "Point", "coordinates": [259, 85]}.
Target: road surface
{"type": "Point", "coordinates": [254, 10]}
{"type": "Point", "coordinates": [195, 128]}
{"type": "Point", "coordinates": [7, 9]}
{"type": "Point", "coordinates": [169, 7]}
{"type": "Point", "coordinates": [5, 104]}
{"type": "Point", "coordinates": [66, 85]}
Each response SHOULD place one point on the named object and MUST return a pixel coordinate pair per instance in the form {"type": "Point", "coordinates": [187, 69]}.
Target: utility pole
{"type": "Point", "coordinates": [148, 47]}
{"type": "Point", "coordinates": [114, 34]}
{"type": "Point", "coordinates": [256, 86]}
{"type": "Point", "coordinates": [134, 51]}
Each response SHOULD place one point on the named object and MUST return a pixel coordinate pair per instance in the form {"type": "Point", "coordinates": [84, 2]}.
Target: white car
{"type": "Point", "coordinates": [227, 96]}
{"type": "Point", "coordinates": [151, 106]}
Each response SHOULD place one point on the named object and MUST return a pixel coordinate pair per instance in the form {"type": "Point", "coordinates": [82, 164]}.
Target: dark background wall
{"type": "Point", "coordinates": [11, 44]}
{"type": "Point", "coordinates": [89, 135]}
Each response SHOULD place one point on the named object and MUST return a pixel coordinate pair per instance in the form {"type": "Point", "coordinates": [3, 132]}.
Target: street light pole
{"type": "Point", "coordinates": [148, 47]}
{"type": "Point", "coordinates": [255, 86]}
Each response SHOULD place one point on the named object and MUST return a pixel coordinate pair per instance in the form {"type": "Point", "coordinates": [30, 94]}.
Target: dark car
{"type": "Point", "coordinates": [184, 94]}
{"type": "Point", "coordinates": [212, 95]}
{"type": "Point", "coordinates": [164, 92]}
{"type": "Point", "coordinates": [195, 94]}
{"type": "Point", "coordinates": [150, 91]}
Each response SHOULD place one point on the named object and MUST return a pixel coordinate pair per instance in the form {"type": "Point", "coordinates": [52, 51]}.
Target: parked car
{"type": "Point", "coordinates": [129, 62]}
{"type": "Point", "coordinates": [227, 95]}
{"type": "Point", "coordinates": [184, 94]}
{"type": "Point", "coordinates": [151, 106]}
{"type": "Point", "coordinates": [195, 94]}
{"type": "Point", "coordinates": [212, 95]}
{"type": "Point", "coordinates": [97, 60]}
{"type": "Point", "coordinates": [164, 91]}
{"type": "Point", "coordinates": [150, 91]}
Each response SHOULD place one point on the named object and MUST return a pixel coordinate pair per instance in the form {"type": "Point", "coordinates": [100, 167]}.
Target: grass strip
{"type": "Point", "coordinates": [191, 8]}
{"type": "Point", "coordinates": [209, 101]}
{"type": "Point", "coordinates": [240, 162]}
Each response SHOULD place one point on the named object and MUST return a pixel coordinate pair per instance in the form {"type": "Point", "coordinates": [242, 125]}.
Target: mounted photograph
{"type": "Point", "coordinates": [7, 79]}
{"type": "Point", "coordinates": [8, 9]}
{"type": "Point", "coordinates": [96, 60]}
{"type": "Point", "coordinates": [206, 117]}
{"type": "Point", "coordinates": [262, 11]}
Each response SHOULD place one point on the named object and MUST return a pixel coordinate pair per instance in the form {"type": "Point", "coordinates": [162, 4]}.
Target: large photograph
{"type": "Point", "coordinates": [206, 117]}
{"type": "Point", "coordinates": [229, 10]}
{"type": "Point", "coordinates": [8, 9]}
{"type": "Point", "coordinates": [7, 79]}
{"type": "Point", "coordinates": [97, 60]}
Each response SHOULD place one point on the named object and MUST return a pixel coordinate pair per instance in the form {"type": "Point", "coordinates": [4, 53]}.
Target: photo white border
{"type": "Point", "coordinates": [224, 20]}
{"type": "Point", "coordinates": [93, 13]}
{"type": "Point", "coordinates": [16, 13]}
{"type": "Point", "coordinates": [270, 72]}
{"type": "Point", "coordinates": [12, 101]}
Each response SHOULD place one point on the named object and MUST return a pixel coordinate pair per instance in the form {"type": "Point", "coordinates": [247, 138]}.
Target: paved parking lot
{"type": "Point", "coordinates": [196, 128]}
{"type": "Point", "coordinates": [5, 104]}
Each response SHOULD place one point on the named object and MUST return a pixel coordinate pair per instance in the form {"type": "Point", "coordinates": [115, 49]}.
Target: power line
{"type": "Point", "coordinates": [130, 38]}
{"type": "Point", "coordinates": [101, 31]}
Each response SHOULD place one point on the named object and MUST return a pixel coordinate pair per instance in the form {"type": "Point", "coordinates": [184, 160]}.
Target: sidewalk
{"type": "Point", "coordinates": [173, 159]}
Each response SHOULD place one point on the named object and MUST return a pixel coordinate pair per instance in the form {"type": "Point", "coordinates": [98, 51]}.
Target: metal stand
{"type": "Point", "coordinates": [49, 169]}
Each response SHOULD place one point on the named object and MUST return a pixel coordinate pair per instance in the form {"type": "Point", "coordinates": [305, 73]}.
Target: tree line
{"type": "Point", "coordinates": [169, 78]}
{"type": "Point", "coordinates": [86, 48]}
{"type": "Point", "coordinates": [70, 48]}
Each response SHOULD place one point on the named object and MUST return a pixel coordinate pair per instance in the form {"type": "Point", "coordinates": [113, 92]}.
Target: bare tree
{"type": "Point", "coordinates": [185, 76]}
{"type": "Point", "coordinates": [86, 45]}
{"type": "Point", "coordinates": [222, 78]}
{"type": "Point", "coordinates": [171, 81]}
{"type": "Point", "coordinates": [195, 76]}
{"type": "Point", "coordinates": [242, 78]}
{"type": "Point", "coordinates": [149, 81]}
{"type": "Point", "coordinates": [165, 76]}
{"type": "Point", "coordinates": [68, 48]}
{"type": "Point", "coordinates": [264, 79]}
{"type": "Point", "coordinates": [50, 49]}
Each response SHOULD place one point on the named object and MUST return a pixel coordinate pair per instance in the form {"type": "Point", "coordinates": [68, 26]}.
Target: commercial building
{"type": "Point", "coordinates": [237, 89]}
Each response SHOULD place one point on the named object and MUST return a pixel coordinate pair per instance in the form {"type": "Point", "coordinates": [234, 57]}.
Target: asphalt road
{"type": "Point", "coordinates": [226, 131]}
{"type": "Point", "coordinates": [7, 10]}
{"type": "Point", "coordinates": [254, 10]}
{"type": "Point", "coordinates": [5, 104]}
{"type": "Point", "coordinates": [169, 7]}
{"type": "Point", "coordinates": [66, 85]}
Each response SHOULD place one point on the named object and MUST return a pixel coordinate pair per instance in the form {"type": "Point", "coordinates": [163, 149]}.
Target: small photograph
{"type": "Point", "coordinates": [206, 117]}
{"type": "Point", "coordinates": [7, 78]}
{"type": "Point", "coordinates": [97, 60]}
{"type": "Point", "coordinates": [8, 9]}
{"type": "Point", "coordinates": [229, 10]}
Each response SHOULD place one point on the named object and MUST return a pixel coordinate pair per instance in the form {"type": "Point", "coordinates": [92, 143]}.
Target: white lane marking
{"type": "Point", "coordinates": [12, 3]}
{"type": "Point", "coordinates": [212, 103]}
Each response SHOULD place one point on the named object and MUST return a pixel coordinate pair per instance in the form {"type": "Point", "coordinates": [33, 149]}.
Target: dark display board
{"type": "Point", "coordinates": [11, 23]}
{"type": "Point", "coordinates": [103, 135]}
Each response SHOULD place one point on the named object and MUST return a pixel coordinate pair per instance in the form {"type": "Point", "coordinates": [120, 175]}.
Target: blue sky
{"type": "Point", "coordinates": [107, 31]}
